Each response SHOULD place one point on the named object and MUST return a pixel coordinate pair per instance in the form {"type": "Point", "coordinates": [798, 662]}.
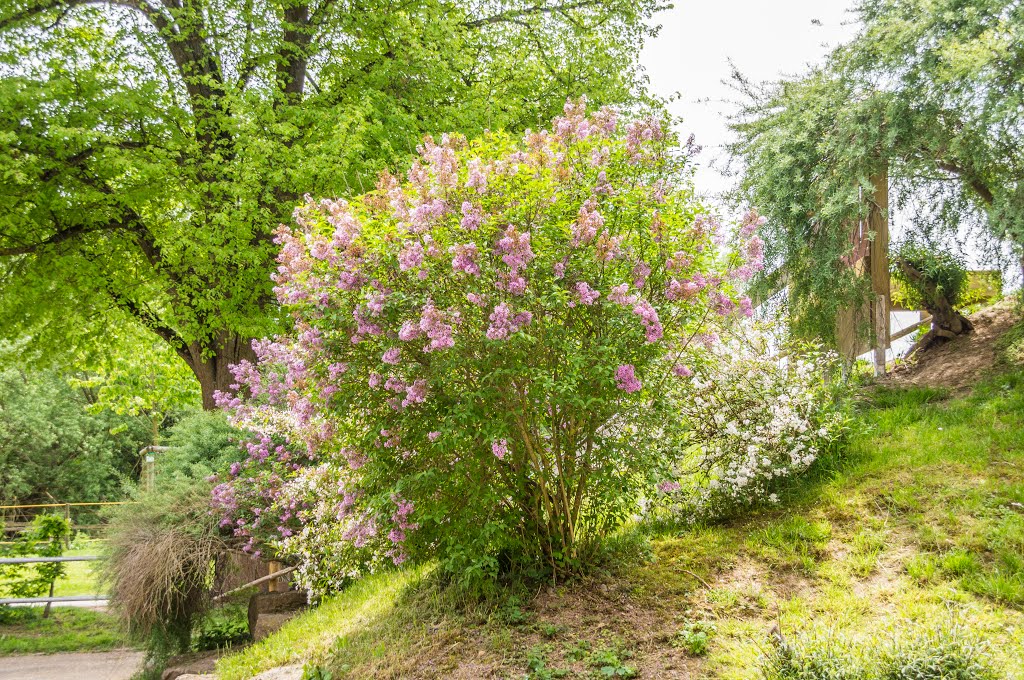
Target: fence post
{"type": "Point", "coordinates": [275, 584]}
{"type": "Point", "coordinates": [881, 333]}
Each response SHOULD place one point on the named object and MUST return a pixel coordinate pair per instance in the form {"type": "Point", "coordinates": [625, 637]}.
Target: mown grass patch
{"type": "Point", "coordinates": [68, 629]}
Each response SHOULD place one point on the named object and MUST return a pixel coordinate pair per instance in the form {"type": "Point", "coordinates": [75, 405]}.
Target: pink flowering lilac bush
{"type": "Point", "coordinates": [753, 423]}
{"type": "Point", "coordinates": [483, 351]}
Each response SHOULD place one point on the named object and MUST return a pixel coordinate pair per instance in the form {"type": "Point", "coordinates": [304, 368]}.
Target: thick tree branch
{"type": "Point", "coordinates": [969, 178]}
{"type": "Point", "coordinates": [60, 236]}
{"type": "Point", "coordinates": [539, 9]}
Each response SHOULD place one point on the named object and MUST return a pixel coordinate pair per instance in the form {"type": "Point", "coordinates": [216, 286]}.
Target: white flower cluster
{"type": "Point", "coordinates": [325, 560]}
{"type": "Point", "coordinates": [754, 421]}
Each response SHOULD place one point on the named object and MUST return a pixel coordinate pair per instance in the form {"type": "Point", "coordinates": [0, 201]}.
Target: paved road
{"type": "Point", "coordinates": [116, 665]}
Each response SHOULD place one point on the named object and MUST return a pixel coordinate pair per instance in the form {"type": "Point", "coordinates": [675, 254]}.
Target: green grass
{"type": "Point", "coordinates": [66, 630]}
{"type": "Point", "coordinates": [918, 529]}
{"type": "Point", "coordinates": [81, 578]}
{"type": "Point", "coordinates": [331, 625]}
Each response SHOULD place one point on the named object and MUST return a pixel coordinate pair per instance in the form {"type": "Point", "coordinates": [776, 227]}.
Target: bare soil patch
{"type": "Point", "coordinates": [959, 364]}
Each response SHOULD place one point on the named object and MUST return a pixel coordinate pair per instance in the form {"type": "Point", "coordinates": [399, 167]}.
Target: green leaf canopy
{"type": "Point", "coordinates": [149, 148]}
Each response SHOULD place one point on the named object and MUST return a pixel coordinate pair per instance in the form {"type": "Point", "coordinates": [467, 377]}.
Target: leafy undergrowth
{"type": "Point", "coordinates": [918, 534]}
{"type": "Point", "coordinates": [68, 629]}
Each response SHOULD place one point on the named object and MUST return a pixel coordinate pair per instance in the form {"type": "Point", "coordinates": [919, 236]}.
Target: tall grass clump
{"type": "Point", "coordinates": [160, 564]}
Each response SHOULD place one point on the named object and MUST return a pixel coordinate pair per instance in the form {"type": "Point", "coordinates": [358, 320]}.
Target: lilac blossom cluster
{"type": "Point", "coordinates": [497, 257]}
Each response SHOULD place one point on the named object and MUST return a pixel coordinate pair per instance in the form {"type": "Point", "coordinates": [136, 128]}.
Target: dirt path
{"type": "Point", "coordinates": [960, 363]}
{"type": "Point", "coordinates": [116, 665]}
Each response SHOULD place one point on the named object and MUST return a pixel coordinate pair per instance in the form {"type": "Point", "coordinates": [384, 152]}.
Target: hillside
{"type": "Point", "coordinates": [914, 538]}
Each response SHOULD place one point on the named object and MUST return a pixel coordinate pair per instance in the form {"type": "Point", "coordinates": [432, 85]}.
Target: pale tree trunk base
{"type": "Point", "coordinates": [942, 331]}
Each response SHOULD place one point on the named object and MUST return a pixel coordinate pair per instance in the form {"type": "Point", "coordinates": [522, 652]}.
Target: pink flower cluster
{"type": "Point", "coordinates": [626, 380]}
{"type": "Point", "coordinates": [465, 258]}
{"type": "Point", "coordinates": [504, 323]}
{"type": "Point", "coordinates": [586, 294]}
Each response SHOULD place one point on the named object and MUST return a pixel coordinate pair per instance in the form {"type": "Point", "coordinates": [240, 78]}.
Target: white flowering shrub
{"type": "Point", "coordinates": [754, 421]}
{"type": "Point", "coordinates": [325, 559]}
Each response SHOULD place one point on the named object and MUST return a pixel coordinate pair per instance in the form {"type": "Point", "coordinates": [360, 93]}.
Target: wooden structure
{"type": "Point", "coordinates": [865, 328]}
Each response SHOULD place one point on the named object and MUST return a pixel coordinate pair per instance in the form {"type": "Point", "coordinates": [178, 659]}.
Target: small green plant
{"type": "Point", "coordinates": [550, 630]}
{"type": "Point", "coordinates": [218, 633]}
{"type": "Point", "coordinates": [609, 663]}
{"type": "Point", "coordinates": [537, 664]}
{"type": "Point", "coordinates": [511, 612]}
{"type": "Point", "coordinates": [312, 671]}
{"type": "Point", "coordinates": [695, 637]}
{"type": "Point", "coordinates": [578, 650]}
{"type": "Point", "coordinates": [45, 537]}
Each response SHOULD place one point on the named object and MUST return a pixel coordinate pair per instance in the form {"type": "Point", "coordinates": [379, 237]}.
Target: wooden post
{"type": "Point", "coordinates": [880, 333]}
{"type": "Point", "coordinates": [275, 585]}
{"type": "Point", "coordinates": [878, 267]}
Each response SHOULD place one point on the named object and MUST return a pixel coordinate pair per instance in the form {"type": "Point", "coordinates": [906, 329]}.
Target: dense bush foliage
{"type": "Point", "coordinates": [755, 418]}
{"type": "Point", "coordinates": [50, 444]}
{"type": "Point", "coordinates": [942, 274]}
{"type": "Point", "coordinates": [484, 353]}
{"type": "Point", "coordinates": [201, 443]}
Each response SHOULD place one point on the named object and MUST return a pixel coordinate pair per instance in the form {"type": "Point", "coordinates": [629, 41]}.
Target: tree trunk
{"type": "Point", "coordinates": [212, 365]}
{"type": "Point", "coordinates": [947, 323]}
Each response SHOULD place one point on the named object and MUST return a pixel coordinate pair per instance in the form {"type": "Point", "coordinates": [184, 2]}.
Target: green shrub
{"type": "Point", "coordinates": [46, 537]}
{"type": "Point", "coordinates": [943, 274]}
{"type": "Point", "coordinates": [201, 443]}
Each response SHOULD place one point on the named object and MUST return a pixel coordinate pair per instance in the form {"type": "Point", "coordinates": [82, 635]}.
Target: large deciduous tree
{"type": "Point", "coordinates": [149, 148]}
{"type": "Point", "coordinates": [930, 92]}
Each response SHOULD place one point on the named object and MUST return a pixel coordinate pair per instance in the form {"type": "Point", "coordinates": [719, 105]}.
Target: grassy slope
{"type": "Point", "coordinates": [922, 523]}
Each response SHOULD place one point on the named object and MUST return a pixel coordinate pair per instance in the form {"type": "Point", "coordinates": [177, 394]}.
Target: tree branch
{"type": "Point", "coordinates": [513, 14]}
{"type": "Point", "coordinates": [60, 236]}
{"type": "Point", "coordinates": [148, 318]}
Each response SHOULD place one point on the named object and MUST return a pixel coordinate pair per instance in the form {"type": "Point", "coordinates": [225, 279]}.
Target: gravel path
{"type": "Point", "coordinates": [116, 665]}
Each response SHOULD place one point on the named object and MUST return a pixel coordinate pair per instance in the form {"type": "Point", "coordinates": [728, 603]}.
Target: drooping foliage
{"type": "Point", "coordinates": [928, 92]}
{"type": "Point", "coordinates": [150, 148]}
{"type": "Point", "coordinates": [935, 280]}
{"type": "Point", "coordinates": [484, 353]}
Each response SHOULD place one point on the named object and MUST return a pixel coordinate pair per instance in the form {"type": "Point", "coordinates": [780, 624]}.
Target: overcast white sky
{"type": "Point", "coordinates": [764, 38]}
